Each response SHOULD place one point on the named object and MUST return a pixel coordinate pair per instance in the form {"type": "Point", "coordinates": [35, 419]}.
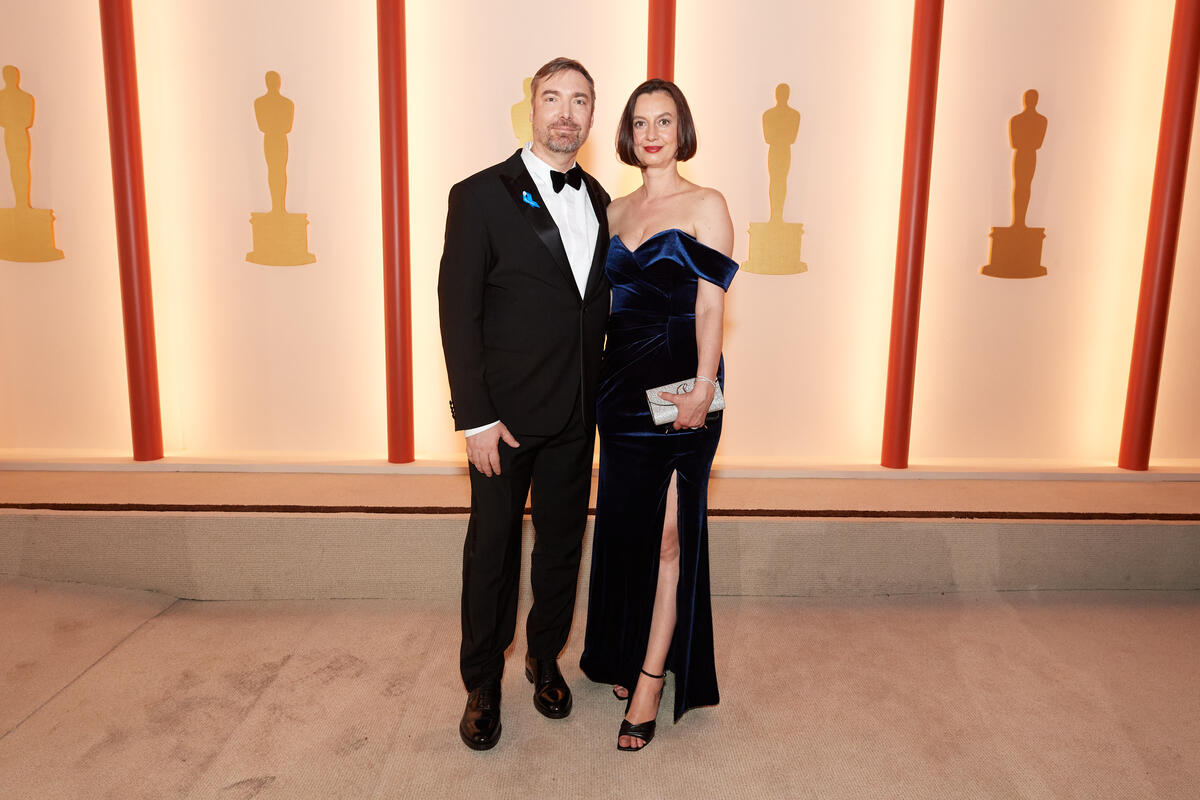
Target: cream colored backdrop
{"type": "Point", "coordinates": [286, 363]}
{"type": "Point", "coordinates": [62, 355]}
{"type": "Point", "coordinates": [252, 358]}
{"type": "Point", "coordinates": [806, 355]}
{"type": "Point", "coordinates": [1038, 368]}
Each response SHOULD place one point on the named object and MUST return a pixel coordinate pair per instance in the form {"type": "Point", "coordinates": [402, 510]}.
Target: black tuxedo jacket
{"type": "Point", "coordinates": [521, 345]}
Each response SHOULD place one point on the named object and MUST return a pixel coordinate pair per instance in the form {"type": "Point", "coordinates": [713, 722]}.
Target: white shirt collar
{"type": "Point", "coordinates": [539, 169]}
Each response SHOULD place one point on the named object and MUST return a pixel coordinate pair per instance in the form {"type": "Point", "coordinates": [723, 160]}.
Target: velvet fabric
{"type": "Point", "coordinates": [651, 340]}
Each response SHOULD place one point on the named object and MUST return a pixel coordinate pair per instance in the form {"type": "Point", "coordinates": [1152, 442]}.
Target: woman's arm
{"type": "Point", "coordinates": [714, 228]}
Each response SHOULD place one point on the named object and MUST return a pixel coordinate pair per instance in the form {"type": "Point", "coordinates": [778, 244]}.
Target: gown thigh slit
{"type": "Point", "coordinates": [662, 534]}
{"type": "Point", "coordinates": [651, 341]}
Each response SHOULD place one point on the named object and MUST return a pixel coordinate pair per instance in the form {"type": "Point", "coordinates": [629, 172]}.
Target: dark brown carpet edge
{"type": "Point", "coordinates": [799, 513]}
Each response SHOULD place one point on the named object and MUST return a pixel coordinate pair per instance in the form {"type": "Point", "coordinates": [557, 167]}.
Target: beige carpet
{"type": "Point", "coordinates": [110, 693]}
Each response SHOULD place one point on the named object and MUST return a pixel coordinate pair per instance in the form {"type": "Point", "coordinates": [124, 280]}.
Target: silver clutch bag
{"type": "Point", "coordinates": [664, 413]}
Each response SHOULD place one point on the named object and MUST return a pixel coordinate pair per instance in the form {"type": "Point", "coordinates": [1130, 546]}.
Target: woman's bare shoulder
{"type": "Point", "coordinates": [710, 201]}
{"type": "Point", "coordinates": [710, 215]}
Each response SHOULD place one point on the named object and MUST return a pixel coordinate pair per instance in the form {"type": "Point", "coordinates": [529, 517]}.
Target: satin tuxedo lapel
{"type": "Point", "coordinates": [596, 273]}
{"type": "Point", "coordinates": [520, 185]}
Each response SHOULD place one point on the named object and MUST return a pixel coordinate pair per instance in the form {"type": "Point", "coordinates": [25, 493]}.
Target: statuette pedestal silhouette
{"type": "Point", "coordinates": [775, 245]}
{"type": "Point", "coordinates": [1015, 253]}
{"type": "Point", "coordinates": [775, 248]}
{"type": "Point", "coordinates": [280, 239]}
{"type": "Point", "coordinates": [26, 233]}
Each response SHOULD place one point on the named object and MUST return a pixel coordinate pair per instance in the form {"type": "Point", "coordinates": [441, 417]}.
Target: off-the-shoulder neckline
{"type": "Point", "coordinates": [651, 237]}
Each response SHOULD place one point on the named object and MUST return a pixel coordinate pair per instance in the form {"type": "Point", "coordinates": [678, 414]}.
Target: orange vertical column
{"type": "Point", "coordinates": [133, 249]}
{"type": "Point", "coordinates": [660, 40]}
{"type": "Point", "coordinates": [397, 293]}
{"type": "Point", "coordinates": [910, 241]}
{"type": "Point", "coordinates": [1162, 236]}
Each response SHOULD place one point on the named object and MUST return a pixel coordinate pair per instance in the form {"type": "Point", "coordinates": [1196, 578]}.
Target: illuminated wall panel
{"type": "Point", "coordinates": [805, 354]}
{"type": "Point", "coordinates": [276, 359]}
{"type": "Point", "coordinates": [1037, 368]}
{"type": "Point", "coordinates": [286, 363]}
{"type": "Point", "coordinates": [62, 362]}
{"type": "Point", "coordinates": [467, 61]}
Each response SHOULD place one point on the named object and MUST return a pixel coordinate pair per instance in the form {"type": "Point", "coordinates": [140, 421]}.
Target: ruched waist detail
{"type": "Point", "coordinates": [631, 327]}
{"type": "Point", "coordinates": [629, 318]}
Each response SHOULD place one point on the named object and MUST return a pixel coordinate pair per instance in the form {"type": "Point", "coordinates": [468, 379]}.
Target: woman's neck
{"type": "Point", "coordinates": [661, 181]}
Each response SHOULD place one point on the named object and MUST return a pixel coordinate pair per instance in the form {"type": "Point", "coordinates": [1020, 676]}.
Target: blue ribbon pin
{"type": "Point", "coordinates": [526, 197]}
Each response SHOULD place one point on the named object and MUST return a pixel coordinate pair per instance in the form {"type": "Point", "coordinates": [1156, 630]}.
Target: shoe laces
{"type": "Point", "coordinates": [488, 696]}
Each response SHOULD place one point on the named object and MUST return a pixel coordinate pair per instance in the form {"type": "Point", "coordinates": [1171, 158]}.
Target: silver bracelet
{"type": "Point", "coordinates": [708, 380]}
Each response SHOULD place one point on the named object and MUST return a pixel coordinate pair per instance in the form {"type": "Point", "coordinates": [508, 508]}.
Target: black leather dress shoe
{"type": "Point", "coordinates": [480, 726]}
{"type": "Point", "coordinates": [551, 695]}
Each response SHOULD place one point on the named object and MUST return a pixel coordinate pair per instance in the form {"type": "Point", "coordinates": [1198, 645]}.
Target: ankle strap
{"type": "Point", "coordinates": [652, 675]}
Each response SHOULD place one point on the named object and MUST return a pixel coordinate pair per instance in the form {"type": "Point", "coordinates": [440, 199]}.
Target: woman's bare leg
{"type": "Point", "coordinates": [648, 691]}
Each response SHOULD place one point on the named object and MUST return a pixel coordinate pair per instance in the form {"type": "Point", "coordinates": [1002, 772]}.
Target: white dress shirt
{"type": "Point", "coordinates": [572, 212]}
{"type": "Point", "coordinates": [571, 209]}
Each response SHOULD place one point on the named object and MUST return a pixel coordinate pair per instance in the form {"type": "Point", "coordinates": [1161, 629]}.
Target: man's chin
{"type": "Point", "coordinates": [564, 144]}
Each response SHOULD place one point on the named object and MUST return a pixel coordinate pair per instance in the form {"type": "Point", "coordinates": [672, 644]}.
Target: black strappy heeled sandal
{"type": "Point", "coordinates": [642, 730]}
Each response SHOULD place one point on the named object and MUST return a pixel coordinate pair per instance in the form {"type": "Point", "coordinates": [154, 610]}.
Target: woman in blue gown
{"type": "Point", "coordinates": [648, 606]}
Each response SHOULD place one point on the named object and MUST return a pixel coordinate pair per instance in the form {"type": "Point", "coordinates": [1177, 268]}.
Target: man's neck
{"type": "Point", "coordinates": [559, 161]}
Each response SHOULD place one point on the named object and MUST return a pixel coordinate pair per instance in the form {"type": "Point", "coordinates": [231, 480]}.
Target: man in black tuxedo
{"type": "Point", "coordinates": [524, 302]}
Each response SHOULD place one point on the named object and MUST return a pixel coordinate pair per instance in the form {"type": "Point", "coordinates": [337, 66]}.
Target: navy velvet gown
{"type": "Point", "coordinates": [652, 341]}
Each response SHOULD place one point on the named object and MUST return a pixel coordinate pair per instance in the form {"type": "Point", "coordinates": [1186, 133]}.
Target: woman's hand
{"type": "Point", "coordinates": [693, 405]}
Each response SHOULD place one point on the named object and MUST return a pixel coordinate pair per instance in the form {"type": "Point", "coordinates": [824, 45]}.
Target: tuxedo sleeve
{"type": "Point", "coordinates": [462, 276]}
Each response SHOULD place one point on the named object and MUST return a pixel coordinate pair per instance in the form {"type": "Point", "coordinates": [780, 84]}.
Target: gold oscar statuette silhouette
{"type": "Point", "coordinates": [775, 244]}
{"type": "Point", "coordinates": [280, 238]}
{"type": "Point", "coordinates": [1016, 251]}
{"type": "Point", "coordinates": [522, 127]}
{"type": "Point", "coordinates": [26, 233]}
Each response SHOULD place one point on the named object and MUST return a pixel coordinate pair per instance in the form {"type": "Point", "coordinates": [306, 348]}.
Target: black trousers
{"type": "Point", "coordinates": [556, 473]}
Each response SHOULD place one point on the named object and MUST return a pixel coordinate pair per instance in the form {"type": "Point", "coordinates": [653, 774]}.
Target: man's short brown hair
{"type": "Point", "coordinates": [558, 65]}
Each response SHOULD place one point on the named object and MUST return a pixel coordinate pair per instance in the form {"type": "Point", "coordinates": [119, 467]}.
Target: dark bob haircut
{"type": "Point", "coordinates": [686, 129]}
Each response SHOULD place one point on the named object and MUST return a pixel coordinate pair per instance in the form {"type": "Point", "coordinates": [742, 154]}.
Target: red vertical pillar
{"type": "Point", "coordinates": [397, 293]}
{"type": "Point", "coordinates": [910, 241]}
{"type": "Point", "coordinates": [660, 40]}
{"type": "Point", "coordinates": [1162, 236]}
{"type": "Point", "coordinates": [133, 249]}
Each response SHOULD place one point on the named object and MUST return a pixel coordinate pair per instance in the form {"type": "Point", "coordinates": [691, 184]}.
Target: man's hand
{"type": "Point", "coordinates": [693, 405]}
{"type": "Point", "coordinates": [483, 449]}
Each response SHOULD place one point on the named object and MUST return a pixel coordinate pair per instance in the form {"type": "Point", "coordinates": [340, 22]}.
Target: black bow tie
{"type": "Point", "coordinates": [573, 176]}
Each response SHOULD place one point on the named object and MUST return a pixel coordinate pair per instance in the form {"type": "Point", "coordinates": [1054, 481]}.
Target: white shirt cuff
{"type": "Point", "coordinates": [472, 431]}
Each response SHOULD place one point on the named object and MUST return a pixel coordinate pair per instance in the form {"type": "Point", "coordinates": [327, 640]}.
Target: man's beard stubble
{"type": "Point", "coordinates": [562, 142]}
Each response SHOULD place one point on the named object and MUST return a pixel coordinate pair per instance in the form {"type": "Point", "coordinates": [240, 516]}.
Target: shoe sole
{"type": "Point", "coordinates": [488, 745]}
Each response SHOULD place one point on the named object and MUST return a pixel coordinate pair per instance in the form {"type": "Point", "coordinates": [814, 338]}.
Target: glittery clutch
{"type": "Point", "coordinates": [664, 413]}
